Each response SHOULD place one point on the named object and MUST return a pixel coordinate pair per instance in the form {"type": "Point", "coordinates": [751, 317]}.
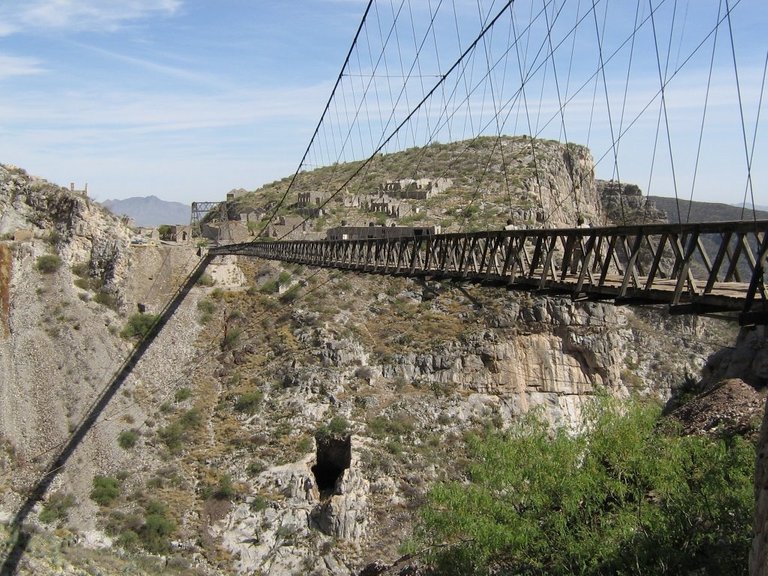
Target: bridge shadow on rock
{"type": "Point", "coordinates": [19, 537]}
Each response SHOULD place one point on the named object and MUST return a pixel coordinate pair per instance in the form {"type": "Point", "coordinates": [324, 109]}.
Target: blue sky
{"type": "Point", "coordinates": [187, 99]}
{"type": "Point", "coordinates": [182, 99]}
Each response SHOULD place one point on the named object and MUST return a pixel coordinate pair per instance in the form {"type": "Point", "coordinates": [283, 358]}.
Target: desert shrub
{"type": "Point", "coordinates": [291, 295]}
{"type": "Point", "coordinates": [127, 439]}
{"type": "Point", "coordinates": [157, 529]}
{"type": "Point", "coordinates": [396, 425]}
{"type": "Point", "coordinates": [138, 325]}
{"type": "Point", "coordinates": [172, 436]}
{"type": "Point", "coordinates": [624, 497]}
{"type": "Point", "coordinates": [231, 338]}
{"type": "Point", "coordinates": [106, 490]}
{"type": "Point", "coordinates": [206, 306]}
{"type": "Point", "coordinates": [192, 418]}
{"type": "Point", "coordinates": [248, 402]}
{"type": "Point", "coordinates": [269, 287]}
{"type": "Point", "coordinates": [56, 507]}
{"type": "Point", "coordinates": [259, 503]}
{"type": "Point", "coordinates": [206, 280]}
{"type": "Point", "coordinates": [108, 299]}
{"type": "Point", "coordinates": [182, 394]}
{"type": "Point", "coordinates": [177, 433]}
{"type": "Point", "coordinates": [81, 269]}
{"type": "Point", "coordinates": [224, 489]}
{"type": "Point", "coordinates": [54, 238]}
{"type": "Point", "coordinates": [337, 426]}
{"type": "Point", "coordinates": [48, 263]}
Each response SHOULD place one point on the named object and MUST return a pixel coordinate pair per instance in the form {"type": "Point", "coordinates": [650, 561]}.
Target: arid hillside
{"type": "Point", "coordinates": [286, 420]}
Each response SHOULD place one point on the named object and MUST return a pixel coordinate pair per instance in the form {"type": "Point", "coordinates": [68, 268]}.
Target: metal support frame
{"type": "Point", "coordinates": [650, 264]}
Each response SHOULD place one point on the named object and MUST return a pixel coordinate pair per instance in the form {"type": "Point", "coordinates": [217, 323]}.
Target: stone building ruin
{"type": "Point", "coordinates": [416, 189]}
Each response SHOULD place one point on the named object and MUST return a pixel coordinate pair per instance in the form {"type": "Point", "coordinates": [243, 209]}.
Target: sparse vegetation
{"type": "Point", "coordinates": [106, 490]}
{"type": "Point", "coordinates": [176, 434]}
{"type": "Point", "coordinates": [231, 338]}
{"type": "Point", "coordinates": [337, 426]}
{"type": "Point", "coordinates": [55, 509]}
{"type": "Point", "coordinates": [138, 325]}
{"type": "Point", "coordinates": [248, 402]}
{"type": "Point", "coordinates": [182, 394]}
{"type": "Point", "coordinates": [127, 439]}
{"type": "Point", "coordinates": [206, 280]}
{"type": "Point", "coordinates": [48, 263]}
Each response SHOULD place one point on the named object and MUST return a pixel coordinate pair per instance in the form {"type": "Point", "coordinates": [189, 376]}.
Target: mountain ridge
{"type": "Point", "coordinates": [149, 210]}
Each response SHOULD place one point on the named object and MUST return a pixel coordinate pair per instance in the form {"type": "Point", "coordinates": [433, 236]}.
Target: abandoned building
{"type": "Point", "coordinates": [175, 233]}
{"type": "Point", "coordinates": [416, 189]}
{"type": "Point", "coordinates": [379, 232]}
{"type": "Point", "coordinates": [289, 228]}
{"type": "Point", "coordinates": [311, 204]}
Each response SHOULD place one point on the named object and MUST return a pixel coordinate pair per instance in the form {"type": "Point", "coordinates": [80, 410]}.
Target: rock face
{"type": "Point", "coordinates": [625, 204]}
{"type": "Point", "coordinates": [729, 408]}
{"type": "Point", "coordinates": [59, 340]}
{"type": "Point", "coordinates": [283, 433]}
{"type": "Point", "coordinates": [80, 230]}
{"type": "Point", "coordinates": [562, 183]}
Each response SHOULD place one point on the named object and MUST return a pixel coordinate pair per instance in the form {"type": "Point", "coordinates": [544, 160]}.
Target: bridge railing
{"type": "Point", "coordinates": [698, 268]}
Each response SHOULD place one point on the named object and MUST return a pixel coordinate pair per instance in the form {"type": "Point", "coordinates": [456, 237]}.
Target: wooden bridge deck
{"type": "Point", "coordinates": [694, 268]}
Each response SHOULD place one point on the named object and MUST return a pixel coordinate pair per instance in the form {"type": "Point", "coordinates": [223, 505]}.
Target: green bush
{"type": "Point", "coordinates": [172, 436]}
{"type": "Point", "coordinates": [291, 295]}
{"type": "Point", "coordinates": [270, 287]}
{"type": "Point", "coordinates": [192, 418]}
{"type": "Point", "coordinates": [81, 269]}
{"type": "Point", "coordinates": [337, 426]}
{"type": "Point", "coordinates": [224, 489]}
{"type": "Point", "coordinates": [182, 394]}
{"type": "Point", "coordinates": [107, 299]}
{"type": "Point", "coordinates": [105, 490]}
{"type": "Point", "coordinates": [248, 402]}
{"type": "Point", "coordinates": [127, 439]}
{"type": "Point", "coordinates": [54, 238]}
{"type": "Point", "coordinates": [231, 338]}
{"type": "Point", "coordinates": [56, 507]}
{"type": "Point", "coordinates": [621, 498]}
{"type": "Point", "coordinates": [176, 434]}
{"type": "Point", "coordinates": [157, 529]}
{"type": "Point", "coordinates": [206, 280]}
{"type": "Point", "coordinates": [138, 325]}
{"type": "Point", "coordinates": [48, 263]}
{"type": "Point", "coordinates": [205, 306]}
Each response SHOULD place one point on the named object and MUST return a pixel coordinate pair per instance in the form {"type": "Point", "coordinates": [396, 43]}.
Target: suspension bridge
{"type": "Point", "coordinates": [572, 71]}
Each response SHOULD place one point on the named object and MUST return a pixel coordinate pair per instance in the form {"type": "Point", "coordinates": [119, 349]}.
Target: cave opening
{"type": "Point", "coordinates": [334, 455]}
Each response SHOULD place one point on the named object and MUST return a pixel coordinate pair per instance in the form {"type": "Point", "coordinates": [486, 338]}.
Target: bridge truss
{"type": "Point", "coordinates": [694, 268]}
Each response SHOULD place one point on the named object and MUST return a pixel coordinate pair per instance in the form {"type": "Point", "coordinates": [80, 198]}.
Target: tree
{"type": "Point", "coordinates": [623, 497]}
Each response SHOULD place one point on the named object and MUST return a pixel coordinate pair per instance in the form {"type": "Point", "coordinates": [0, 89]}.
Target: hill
{"type": "Point", "coordinates": [150, 210]}
{"type": "Point", "coordinates": [477, 184]}
{"type": "Point", "coordinates": [704, 211]}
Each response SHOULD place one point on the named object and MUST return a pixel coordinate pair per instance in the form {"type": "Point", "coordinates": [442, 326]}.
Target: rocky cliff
{"type": "Point", "coordinates": [287, 420]}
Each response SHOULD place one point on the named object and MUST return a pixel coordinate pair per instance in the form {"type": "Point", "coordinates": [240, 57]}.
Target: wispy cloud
{"type": "Point", "coordinates": [153, 66]}
{"type": "Point", "coordinates": [79, 15]}
{"type": "Point", "coordinates": [15, 66]}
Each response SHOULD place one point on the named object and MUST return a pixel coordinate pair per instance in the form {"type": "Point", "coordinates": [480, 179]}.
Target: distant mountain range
{"type": "Point", "coordinates": [150, 210]}
{"type": "Point", "coordinates": [704, 211]}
